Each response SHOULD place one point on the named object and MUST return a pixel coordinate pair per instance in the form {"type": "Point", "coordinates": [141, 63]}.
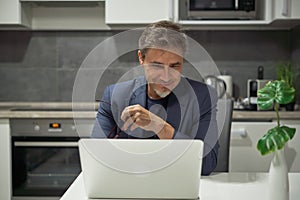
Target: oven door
{"type": "Point", "coordinates": [198, 5]}
{"type": "Point", "coordinates": [43, 167]}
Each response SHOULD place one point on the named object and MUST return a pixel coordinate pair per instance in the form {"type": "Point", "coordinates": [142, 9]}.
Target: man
{"type": "Point", "coordinates": [163, 104]}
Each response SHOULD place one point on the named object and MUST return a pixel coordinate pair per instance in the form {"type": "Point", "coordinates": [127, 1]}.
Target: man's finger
{"type": "Point", "coordinates": [127, 112]}
{"type": "Point", "coordinates": [127, 123]}
{"type": "Point", "coordinates": [134, 126]}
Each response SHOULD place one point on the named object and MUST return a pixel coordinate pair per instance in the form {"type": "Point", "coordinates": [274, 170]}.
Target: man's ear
{"type": "Point", "coordinates": [140, 57]}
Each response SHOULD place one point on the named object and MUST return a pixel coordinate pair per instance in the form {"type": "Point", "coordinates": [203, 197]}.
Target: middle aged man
{"type": "Point", "coordinates": [163, 104]}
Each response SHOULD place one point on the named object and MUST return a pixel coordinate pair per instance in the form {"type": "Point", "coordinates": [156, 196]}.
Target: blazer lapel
{"type": "Point", "coordinates": [177, 105]}
{"type": "Point", "coordinates": [139, 94]}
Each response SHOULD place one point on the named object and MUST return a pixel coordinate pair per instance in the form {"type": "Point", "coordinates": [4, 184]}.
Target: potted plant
{"type": "Point", "coordinates": [274, 93]}
{"type": "Point", "coordinates": [285, 72]}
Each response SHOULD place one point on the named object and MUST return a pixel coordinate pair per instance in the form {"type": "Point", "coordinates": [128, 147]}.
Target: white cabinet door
{"type": "Point", "coordinates": [137, 11]}
{"type": "Point", "coordinates": [244, 156]}
{"type": "Point", "coordinates": [286, 9]}
{"type": "Point", "coordinates": [9, 11]}
{"type": "Point", "coordinates": [12, 12]}
{"type": "Point", "coordinates": [5, 164]}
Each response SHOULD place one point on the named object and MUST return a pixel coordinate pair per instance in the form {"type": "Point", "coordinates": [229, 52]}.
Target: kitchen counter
{"type": "Point", "coordinates": [46, 114]}
{"type": "Point", "coordinates": [219, 186]}
{"type": "Point", "coordinates": [264, 115]}
{"type": "Point", "coordinates": [48, 110]}
{"type": "Point", "coordinates": [88, 110]}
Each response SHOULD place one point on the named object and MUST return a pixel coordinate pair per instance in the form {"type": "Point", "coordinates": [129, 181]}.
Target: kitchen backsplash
{"type": "Point", "coordinates": [42, 65]}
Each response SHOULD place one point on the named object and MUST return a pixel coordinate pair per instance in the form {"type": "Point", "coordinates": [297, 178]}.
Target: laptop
{"type": "Point", "coordinates": [137, 168]}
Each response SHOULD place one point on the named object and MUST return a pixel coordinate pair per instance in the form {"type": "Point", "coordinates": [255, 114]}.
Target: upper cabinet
{"type": "Point", "coordinates": [68, 15]}
{"type": "Point", "coordinates": [286, 9]}
{"type": "Point", "coordinates": [137, 11]}
{"type": "Point", "coordinates": [12, 13]}
{"type": "Point", "coordinates": [125, 14]}
{"type": "Point", "coordinates": [53, 14]}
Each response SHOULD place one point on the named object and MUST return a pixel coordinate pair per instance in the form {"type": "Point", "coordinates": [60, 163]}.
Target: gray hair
{"type": "Point", "coordinates": [164, 35]}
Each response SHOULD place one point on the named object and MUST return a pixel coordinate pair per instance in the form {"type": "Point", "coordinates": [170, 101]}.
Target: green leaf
{"type": "Point", "coordinates": [285, 93]}
{"type": "Point", "coordinates": [275, 139]}
{"type": "Point", "coordinates": [275, 91]}
{"type": "Point", "coordinates": [287, 131]}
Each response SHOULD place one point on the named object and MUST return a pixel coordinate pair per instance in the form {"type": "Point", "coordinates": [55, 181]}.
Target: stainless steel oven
{"type": "Point", "coordinates": [45, 157]}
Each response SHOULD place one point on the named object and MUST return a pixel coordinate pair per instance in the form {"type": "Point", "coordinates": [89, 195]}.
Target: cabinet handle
{"type": "Point", "coordinates": [46, 144]}
{"type": "Point", "coordinates": [171, 9]}
{"type": "Point", "coordinates": [285, 8]}
{"type": "Point", "coordinates": [242, 132]}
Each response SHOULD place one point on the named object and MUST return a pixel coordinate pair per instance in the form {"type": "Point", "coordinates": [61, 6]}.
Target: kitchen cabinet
{"type": "Point", "coordinates": [125, 14]}
{"type": "Point", "coordinates": [244, 157]}
{"type": "Point", "coordinates": [12, 12]}
{"type": "Point", "coordinates": [137, 11]}
{"type": "Point", "coordinates": [286, 9]}
{"type": "Point", "coordinates": [5, 157]}
{"type": "Point", "coordinates": [53, 14]}
{"type": "Point", "coordinates": [68, 15]}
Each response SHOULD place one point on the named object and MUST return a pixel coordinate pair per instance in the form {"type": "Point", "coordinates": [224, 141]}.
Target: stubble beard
{"type": "Point", "coordinates": [162, 94]}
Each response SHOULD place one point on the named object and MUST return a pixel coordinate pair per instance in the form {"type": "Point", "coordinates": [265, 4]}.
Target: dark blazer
{"type": "Point", "coordinates": [191, 110]}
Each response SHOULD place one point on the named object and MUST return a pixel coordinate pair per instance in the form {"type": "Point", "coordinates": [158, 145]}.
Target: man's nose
{"type": "Point", "coordinates": [165, 74]}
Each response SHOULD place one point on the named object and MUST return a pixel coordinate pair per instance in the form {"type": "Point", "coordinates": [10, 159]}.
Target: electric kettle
{"type": "Point", "coordinates": [216, 83]}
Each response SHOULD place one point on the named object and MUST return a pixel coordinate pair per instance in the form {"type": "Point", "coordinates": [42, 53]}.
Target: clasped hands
{"type": "Point", "coordinates": [136, 116]}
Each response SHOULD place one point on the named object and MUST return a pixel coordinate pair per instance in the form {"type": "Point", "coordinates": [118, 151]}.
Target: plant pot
{"type": "Point", "coordinates": [278, 177]}
{"type": "Point", "coordinates": [290, 106]}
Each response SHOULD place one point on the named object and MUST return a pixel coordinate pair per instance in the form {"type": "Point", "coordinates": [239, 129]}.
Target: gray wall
{"type": "Point", "coordinates": [41, 66]}
{"type": "Point", "coordinates": [295, 57]}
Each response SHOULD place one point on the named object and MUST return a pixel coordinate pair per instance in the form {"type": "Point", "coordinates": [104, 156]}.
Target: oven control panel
{"type": "Point", "coordinates": [51, 127]}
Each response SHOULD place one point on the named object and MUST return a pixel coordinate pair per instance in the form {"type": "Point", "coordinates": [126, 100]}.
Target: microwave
{"type": "Point", "coordinates": [221, 9]}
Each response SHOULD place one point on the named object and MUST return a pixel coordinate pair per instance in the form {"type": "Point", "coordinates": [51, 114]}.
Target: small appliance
{"type": "Point", "coordinates": [253, 85]}
{"type": "Point", "coordinates": [225, 9]}
{"type": "Point", "coordinates": [217, 83]}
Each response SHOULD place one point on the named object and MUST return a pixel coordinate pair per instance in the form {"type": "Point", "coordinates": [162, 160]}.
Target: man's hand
{"type": "Point", "coordinates": [136, 116]}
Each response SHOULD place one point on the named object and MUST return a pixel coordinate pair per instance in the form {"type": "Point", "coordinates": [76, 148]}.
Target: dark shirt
{"type": "Point", "coordinates": [159, 108]}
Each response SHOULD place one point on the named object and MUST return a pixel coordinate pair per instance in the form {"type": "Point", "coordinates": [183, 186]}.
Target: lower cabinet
{"type": "Point", "coordinates": [244, 156]}
{"type": "Point", "coordinates": [5, 164]}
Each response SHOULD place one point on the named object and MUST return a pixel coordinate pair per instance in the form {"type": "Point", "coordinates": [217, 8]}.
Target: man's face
{"type": "Point", "coordinates": [163, 71]}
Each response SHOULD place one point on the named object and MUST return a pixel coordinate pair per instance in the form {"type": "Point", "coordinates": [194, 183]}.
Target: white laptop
{"type": "Point", "coordinates": [137, 168]}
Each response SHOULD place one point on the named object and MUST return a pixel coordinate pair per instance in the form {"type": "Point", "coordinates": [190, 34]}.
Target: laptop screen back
{"type": "Point", "coordinates": [163, 169]}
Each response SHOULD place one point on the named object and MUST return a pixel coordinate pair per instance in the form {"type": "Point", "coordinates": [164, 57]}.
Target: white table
{"type": "Point", "coordinates": [224, 186]}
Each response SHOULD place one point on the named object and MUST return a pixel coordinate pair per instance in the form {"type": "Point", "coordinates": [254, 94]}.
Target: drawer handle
{"type": "Point", "coordinates": [46, 144]}
{"type": "Point", "coordinates": [242, 132]}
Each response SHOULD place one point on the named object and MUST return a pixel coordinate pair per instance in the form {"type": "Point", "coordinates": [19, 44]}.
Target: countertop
{"type": "Point", "coordinates": [233, 186]}
{"type": "Point", "coordinates": [88, 110]}
{"type": "Point", "coordinates": [48, 110]}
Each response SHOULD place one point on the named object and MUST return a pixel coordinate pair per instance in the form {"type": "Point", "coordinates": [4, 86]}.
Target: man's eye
{"type": "Point", "coordinates": [175, 66]}
{"type": "Point", "coordinates": [156, 66]}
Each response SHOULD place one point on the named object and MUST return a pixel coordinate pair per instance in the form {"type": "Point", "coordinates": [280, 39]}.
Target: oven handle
{"type": "Point", "coordinates": [46, 144]}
